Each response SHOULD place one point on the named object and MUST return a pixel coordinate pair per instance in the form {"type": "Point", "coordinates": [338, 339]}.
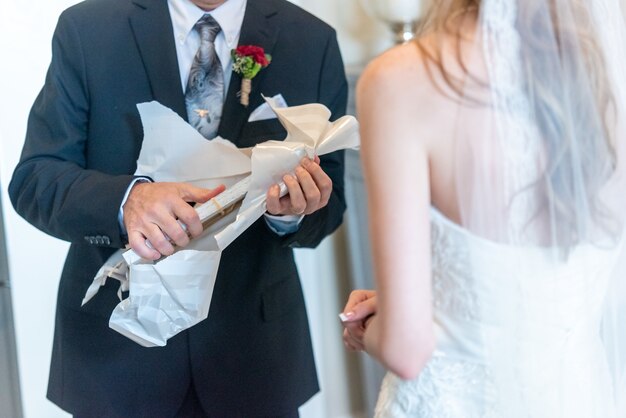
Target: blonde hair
{"type": "Point", "coordinates": [579, 133]}
{"type": "Point", "coordinates": [439, 23]}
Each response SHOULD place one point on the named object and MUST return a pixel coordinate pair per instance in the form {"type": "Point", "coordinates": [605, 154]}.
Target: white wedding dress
{"type": "Point", "coordinates": [557, 350]}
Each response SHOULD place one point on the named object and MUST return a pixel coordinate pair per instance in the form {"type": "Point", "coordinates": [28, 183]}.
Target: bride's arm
{"type": "Point", "coordinates": [395, 162]}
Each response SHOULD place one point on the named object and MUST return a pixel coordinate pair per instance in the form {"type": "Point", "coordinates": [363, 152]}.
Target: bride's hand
{"type": "Point", "coordinates": [357, 313]}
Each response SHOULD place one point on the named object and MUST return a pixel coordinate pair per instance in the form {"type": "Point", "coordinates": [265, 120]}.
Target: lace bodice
{"type": "Point", "coordinates": [492, 300]}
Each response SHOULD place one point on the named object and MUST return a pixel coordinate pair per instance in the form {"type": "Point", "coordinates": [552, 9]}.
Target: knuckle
{"type": "Point", "coordinates": [183, 241]}
{"type": "Point", "coordinates": [151, 212]}
{"type": "Point", "coordinates": [326, 186]}
{"type": "Point", "coordinates": [298, 207]}
{"type": "Point", "coordinates": [272, 206]}
{"type": "Point", "coordinates": [188, 220]}
{"type": "Point", "coordinates": [314, 196]}
{"type": "Point", "coordinates": [160, 243]}
{"type": "Point", "coordinates": [316, 170]}
{"type": "Point", "coordinates": [178, 235]}
{"type": "Point", "coordinates": [301, 171]}
{"type": "Point", "coordinates": [195, 229]}
{"type": "Point", "coordinates": [289, 179]}
{"type": "Point", "coordinates": [134, 242]}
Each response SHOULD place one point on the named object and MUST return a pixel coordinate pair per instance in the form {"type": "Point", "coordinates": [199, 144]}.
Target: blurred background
{"type": "Point", "coordinates": [31, 262]}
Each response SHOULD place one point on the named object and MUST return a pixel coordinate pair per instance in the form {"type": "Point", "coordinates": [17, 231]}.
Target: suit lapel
{"type": "Point", "coordinates": [257, 29]}
{"type": "Point", "coordinates": [152, 27]}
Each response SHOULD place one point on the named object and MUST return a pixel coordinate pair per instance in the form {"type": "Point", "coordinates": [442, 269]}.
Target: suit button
{"type": "Point", "coordinates": [106, 239]}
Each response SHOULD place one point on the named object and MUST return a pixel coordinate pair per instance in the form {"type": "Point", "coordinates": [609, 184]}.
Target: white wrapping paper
{"type": "Point", "coordinates": [174, 293]}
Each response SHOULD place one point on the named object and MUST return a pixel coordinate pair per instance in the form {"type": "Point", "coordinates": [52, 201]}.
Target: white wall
{"type": "Point", "coordinates": [360, 37]}
{"type": "Point", "coordinates": [35, 259]}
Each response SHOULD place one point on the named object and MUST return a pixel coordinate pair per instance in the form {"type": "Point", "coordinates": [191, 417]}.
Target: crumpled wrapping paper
{"type": "Point", "coordinates": [174, 293]}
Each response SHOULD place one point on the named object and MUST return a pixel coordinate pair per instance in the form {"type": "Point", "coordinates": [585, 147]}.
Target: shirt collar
{"type": "Point", "coordinates": [229, 15]}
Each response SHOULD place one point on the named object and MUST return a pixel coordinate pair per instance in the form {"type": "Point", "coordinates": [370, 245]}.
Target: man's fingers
{"type": "Point", "coordinates": [296, 198]}
{"type": "Point", "coordinates": [214, 192]}
{"type": "Point", "coordinates": [191, 193]}
{"type": "Point", "coordinates": [158, 240]}
{"type": "Point", "coordinates": [137, 241]}
{"type": "Point", "coordinates": [310, 190]}
{"type": "Point", "coordinates": [323, 183]}
{"type": "Point", "coordinates": [187, 216]}
{"type": "Point", "coordinates": [174, 231]}
{"type": "Point", "coordinates": [272, 204]}
{"type": "Point", "coordinates": [160, 213]}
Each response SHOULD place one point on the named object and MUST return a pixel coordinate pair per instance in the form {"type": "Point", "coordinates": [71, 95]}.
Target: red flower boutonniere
{"type": "Point", "coordinates": [248, 60]}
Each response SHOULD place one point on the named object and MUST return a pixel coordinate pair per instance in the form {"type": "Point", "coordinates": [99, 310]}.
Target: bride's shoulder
{"type": "Point", "coordinates": [401, 84]}
{"type": "Point", "coordinates": [394, 69]}
{"type": "Point", "coordinates": [395, 81]}
{"type": "Point", "coordinates": [414, 73]}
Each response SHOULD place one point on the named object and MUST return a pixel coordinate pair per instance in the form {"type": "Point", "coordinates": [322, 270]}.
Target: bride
{"type": "Point", "coordinates": [493, 151]}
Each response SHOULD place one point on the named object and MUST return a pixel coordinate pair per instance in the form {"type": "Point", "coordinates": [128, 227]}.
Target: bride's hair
{"type": "Point", "coordinates": [570, 96]}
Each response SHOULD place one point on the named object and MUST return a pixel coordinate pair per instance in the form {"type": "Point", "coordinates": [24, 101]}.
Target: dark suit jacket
{"type": "Point", "coordinates": [252, 356]}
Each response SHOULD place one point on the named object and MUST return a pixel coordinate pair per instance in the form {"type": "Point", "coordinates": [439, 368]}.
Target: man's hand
{"type": "Point", "coordinates": [152, 212]}
{"type": "Point", "coordinates": [308, 191]}
{"type": "Point", "coordinates": [357, 313]}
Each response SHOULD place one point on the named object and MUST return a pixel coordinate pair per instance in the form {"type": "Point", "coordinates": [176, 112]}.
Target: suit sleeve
{"type": "Point", "coordinates": [333, 92]}
{"type": "Point", "coordinates": [52, 186]}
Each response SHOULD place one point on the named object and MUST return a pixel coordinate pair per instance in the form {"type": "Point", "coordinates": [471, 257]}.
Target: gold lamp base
{"type": "Point", "coordinates": [403, 31]}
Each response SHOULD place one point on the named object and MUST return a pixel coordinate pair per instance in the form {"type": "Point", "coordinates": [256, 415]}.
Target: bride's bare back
{"type": "Point", "coordinates": [408, 107]}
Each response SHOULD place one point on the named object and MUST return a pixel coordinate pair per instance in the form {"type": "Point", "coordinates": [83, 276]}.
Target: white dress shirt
{"type": "Point", "coordinates": [185, 14]}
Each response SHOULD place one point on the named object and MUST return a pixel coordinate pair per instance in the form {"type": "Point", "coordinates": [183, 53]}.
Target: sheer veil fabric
{"type": "Point", "coordinates": [543, 182]}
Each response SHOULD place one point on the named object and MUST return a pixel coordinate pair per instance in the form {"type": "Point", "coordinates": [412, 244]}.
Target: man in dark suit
{"type": "Point", "coordinates": [252, 357]}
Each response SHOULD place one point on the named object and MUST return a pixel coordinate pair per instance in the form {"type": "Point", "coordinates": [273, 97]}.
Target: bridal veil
{"type": "Point", "coordinates": [544, 175]}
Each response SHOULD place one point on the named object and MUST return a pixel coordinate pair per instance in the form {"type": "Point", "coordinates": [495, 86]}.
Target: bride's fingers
{"type": "Point", "coordinates": [354, 334]}
{"type": "Point", "coordinates": [360, 312]}
{"type": "Point", "coordinates": [355, 298]}
{"type": "Point", "coordinates": [351, 343]}
{"type": "Point", "coordinates": [351, 347]}
{"type": "Point", "coordinates": [356, 330]}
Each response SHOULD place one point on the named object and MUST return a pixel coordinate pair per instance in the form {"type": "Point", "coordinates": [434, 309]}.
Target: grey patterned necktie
{"type": "Point", "coordinates": [204, 96]}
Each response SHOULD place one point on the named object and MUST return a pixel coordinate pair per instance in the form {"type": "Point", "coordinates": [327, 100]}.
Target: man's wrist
{"type": "Point", "coordinates": [120, 215]}
{"type": "Point", "coordinates": [283, 225]}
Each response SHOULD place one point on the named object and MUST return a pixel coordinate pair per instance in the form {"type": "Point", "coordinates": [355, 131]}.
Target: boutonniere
{"type": "Point", "coordinates": [248, 60]}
